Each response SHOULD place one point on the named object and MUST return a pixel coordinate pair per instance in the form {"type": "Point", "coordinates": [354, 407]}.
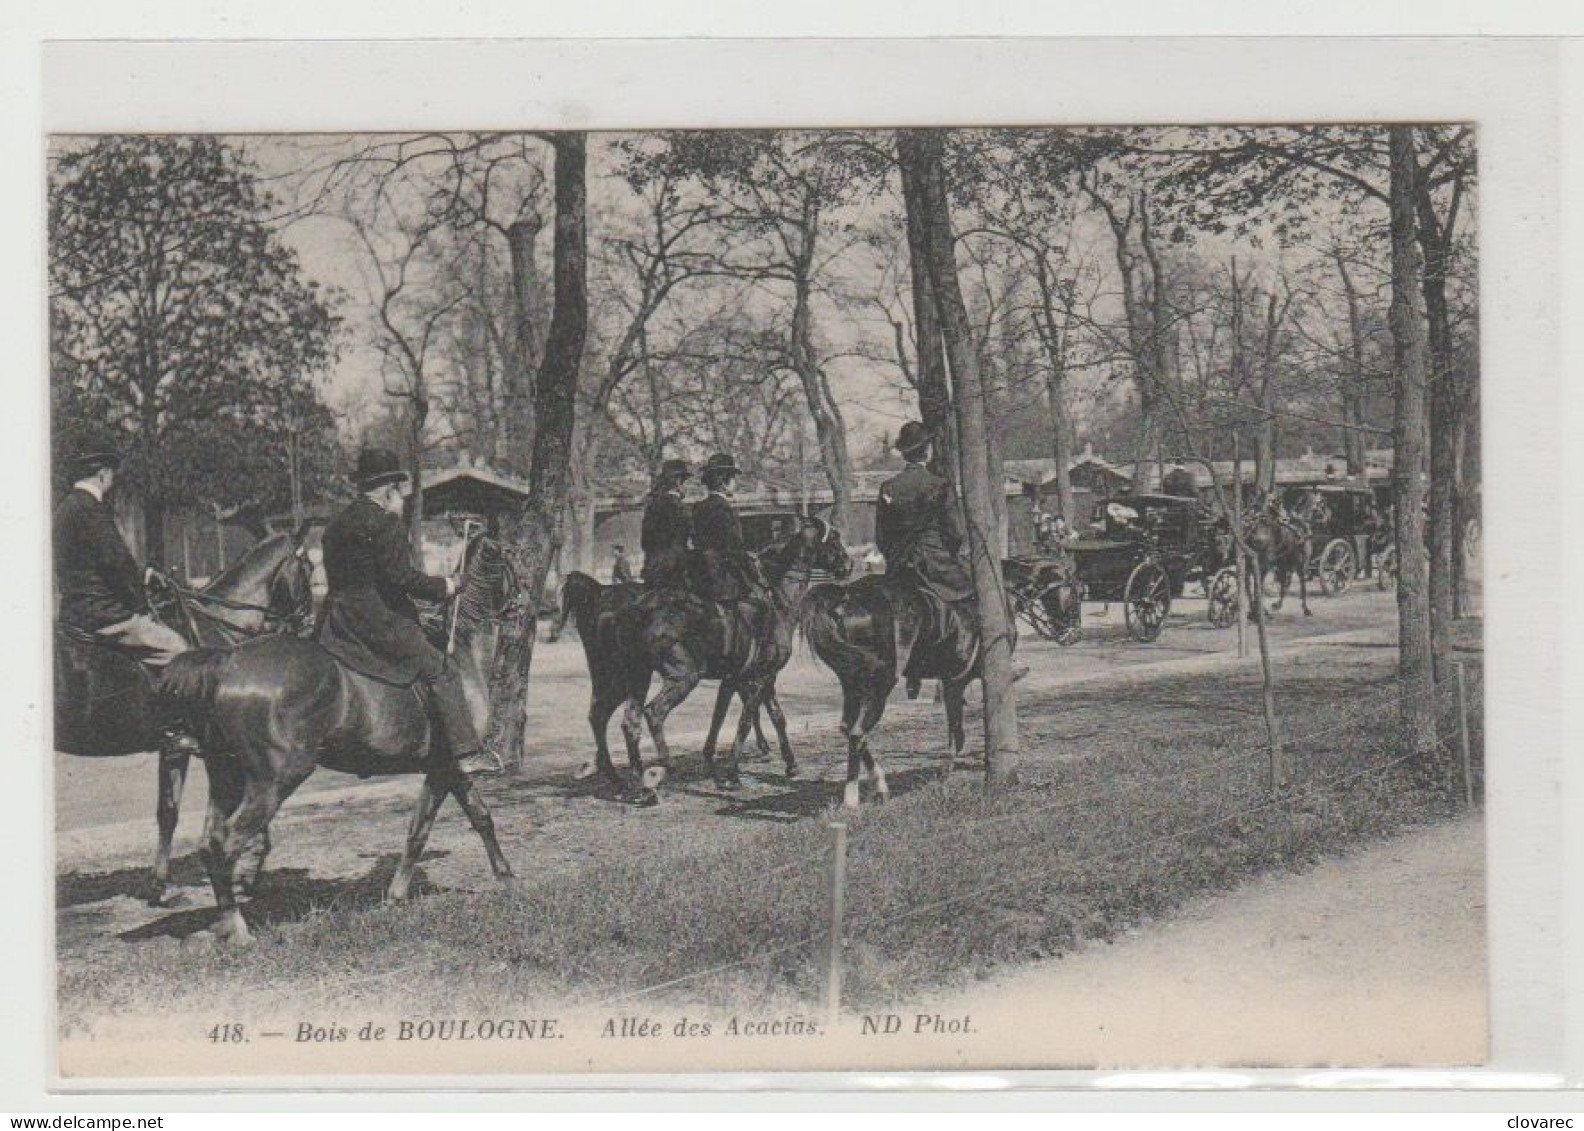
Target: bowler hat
{"type": "Point", "coordinates": [721, 464]}
{"type": "Point", "coordinates": [377, 467]}
{"type": "Point", "coordinates": [913, 437]}
{"type": "Point", "coordinates": [84, 464]}
{"type": "Point", "coordinates": [675, 469]}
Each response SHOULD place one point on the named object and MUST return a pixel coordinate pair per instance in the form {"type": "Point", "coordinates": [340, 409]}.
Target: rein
{"type": "Point", "coordinates": [192, 601]}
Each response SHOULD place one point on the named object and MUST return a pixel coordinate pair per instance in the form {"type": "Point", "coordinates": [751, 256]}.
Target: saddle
{"type": "Point", "coordinates": [948, 640]}
{"type": "Point", "coordinates": [103, 697]}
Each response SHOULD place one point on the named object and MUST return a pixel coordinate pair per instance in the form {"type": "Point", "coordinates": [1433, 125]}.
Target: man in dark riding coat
{"type": "Point", "coordinates": [666, 528]}
{"type": "Point", "coordinates": [369, 621]}
{"type": "Point", "coordinates": [98, 581]}
{"type": "Point", "coordinates": [726, 570]}
{"type": "Point", "coordinates": [917, 525]}
{"type": "Point", "coordinates": [1180, 481]}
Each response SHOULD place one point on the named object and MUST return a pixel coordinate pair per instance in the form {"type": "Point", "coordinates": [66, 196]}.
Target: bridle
{"type": "Point", "coordinates": [193, 602]}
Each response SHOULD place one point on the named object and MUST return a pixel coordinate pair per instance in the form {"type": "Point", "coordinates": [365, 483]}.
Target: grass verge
{"type": "Point", "coordinates": [1152, 803]}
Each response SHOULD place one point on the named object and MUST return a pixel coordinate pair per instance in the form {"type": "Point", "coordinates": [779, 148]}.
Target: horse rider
{"type": "Point", "coordinates": [726, 571]}
{"type": "Point", "coordinates": [1179, 481]}
{"type": "Point", "coordinates": [621, 568]}
{"type": "Point", "coordinates": [917, 524]}
{"type": "Point", "coordinates": [369, 620]}
{"type": "Point", "coordinates": [102, 588]}
{"type": "Point", "coordinates": [666, 528]}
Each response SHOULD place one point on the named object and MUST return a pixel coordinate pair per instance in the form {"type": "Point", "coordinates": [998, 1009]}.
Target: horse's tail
{"type": "Point", "coordinates": [580, 595]}
{"type": "Point", "coordinates": [192, 678]}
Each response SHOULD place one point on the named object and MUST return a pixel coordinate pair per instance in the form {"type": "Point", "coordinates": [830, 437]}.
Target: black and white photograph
{"type": "Point", "coordinates": [818, 599]}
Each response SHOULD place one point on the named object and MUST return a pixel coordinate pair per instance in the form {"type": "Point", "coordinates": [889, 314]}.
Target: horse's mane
{"type": "Point", "coordinates": [249, 568]}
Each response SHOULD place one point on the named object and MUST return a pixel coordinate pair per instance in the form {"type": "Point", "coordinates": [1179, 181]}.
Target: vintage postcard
{"type": "Point", "coordinates": [556, 601]}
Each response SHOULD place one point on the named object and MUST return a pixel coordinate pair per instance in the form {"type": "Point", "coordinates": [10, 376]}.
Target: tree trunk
{"type": "Point", "coordinates": [829, 428]}
{"type": "Point", "coordinates": [1353, 384]}
{"type": "Point", "coordinates": [1416, 683]}
{"type": "Point", "coordinates": [536, 537]}
{"type": "Point", "coordinates": [519, 378]}
{"type": "Point", "coordinates": [1061, 444]}
{"type": "Point", "coordinates": [1443, 438]}
{"type": "Point", "coordinates": [920, 154]}
{"type": "Point", "coordinates": [934, 382]}
{"type": "Point", "coordinates": [1054, 339]}
{"type": "Point", "coordinates": [579, 554]}
{"type": "Point", "coordinates": [415, 501]}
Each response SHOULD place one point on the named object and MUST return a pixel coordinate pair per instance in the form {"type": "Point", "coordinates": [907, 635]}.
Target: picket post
{"type": "Point", "coordinates": [838, 912]}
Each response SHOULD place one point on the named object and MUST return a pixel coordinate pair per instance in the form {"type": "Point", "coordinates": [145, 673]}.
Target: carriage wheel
{"type": "Point", "coordinates": [1386, 568]}
{"type": "Point", "coordinates": [1223, 596]}
{"type": "Point", "coordinates": [1065, 632]}
{"type": "Point", "coordinates": [1032, 611]}
{"type": "Point", "coordinates": [1147, 601]}
{"type": "Point", "coordinates": [1338, 567]}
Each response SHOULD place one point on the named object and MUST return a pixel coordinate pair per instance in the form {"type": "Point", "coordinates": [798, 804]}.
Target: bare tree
{"type": "Point", "coordinates": [1416, 682]}
{"type": "Point", "coordinates": [924, 188]}
{"type": "Point", "coordinates": [535, 533]}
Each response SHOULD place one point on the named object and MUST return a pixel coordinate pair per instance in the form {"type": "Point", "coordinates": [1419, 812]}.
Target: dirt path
{"type": "Point", "coordinates": [1380, 954]}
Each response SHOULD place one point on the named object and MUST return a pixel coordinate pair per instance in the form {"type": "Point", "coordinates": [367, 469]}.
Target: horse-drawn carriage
{"type": "Point", "coordinates": [1141, 551]}
{"type": "Point", "coordinates": [1345, 531]}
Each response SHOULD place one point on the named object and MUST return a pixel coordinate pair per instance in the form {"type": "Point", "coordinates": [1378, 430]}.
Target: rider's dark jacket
{"type": "Point", "coordinates": [97, 579]}
{"type": "Point", "coordinates": [369, 620]}
{"type": "Point", "coordinates": [725, 571]}
{"type": "Point", "coordinates": [665, 539]}
{"type": "Point", "coordinates": [919, 530]}
{"type": "Point", "coordinates": [1180, 481]}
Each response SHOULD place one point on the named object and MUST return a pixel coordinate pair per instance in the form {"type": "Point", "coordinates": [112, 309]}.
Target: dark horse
{"type": "Point", "coordinates": [880, 629]}
{"type": "Point", "coordinates": [1282, 544]}
{"type": "Point", "coordinates": [276, 709]}
{"type": "Point", "coordinates": [104, 701]}
{"type": "Point", "coordinates": [630, 634]}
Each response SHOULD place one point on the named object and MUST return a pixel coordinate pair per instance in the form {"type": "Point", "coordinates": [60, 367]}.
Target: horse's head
{"type": "Point", "coordinates": [291, 585]}
{"type": "Point", "coordinates": [823, 548]}
{"type": "Point", "coordinates": [814, 547]}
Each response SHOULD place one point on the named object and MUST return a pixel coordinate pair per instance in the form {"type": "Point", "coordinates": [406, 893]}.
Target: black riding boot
{"type": "Point", "coordinates": [456, 726]}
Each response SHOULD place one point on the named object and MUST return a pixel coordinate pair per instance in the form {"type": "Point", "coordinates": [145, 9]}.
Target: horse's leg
{"type": "Point", "coordinates": [772, 704]}
{"type": "Point", "coordinates": [430, 798]}
{"type": "Point", "coordinates": [723, 699]}
{"type": "Point", "coordinates": [601, 707]}
{"type": "Point", "coordinates": [678, 683]}
{"type": "Point", "coordinates": [753, 695]}
{"type": "Point", "coordinates": [225, 794]}
{"type": "Point", "coordinates": [261, 797]}
{"type": "Point", "coordinates": [466, 791]}
{"type": "Point", "coordinates": [956, 735]}
{"type": "Point", "coordinates": [872, 706]}
{"type": "Point", "coordinates": [1303, 582]}
{"type": "Point", "coordinates": [759, 734]}
{"type": "Point", "coordinates": [172, 781]}
{"type": "Point", "coordinates": [250, 866]}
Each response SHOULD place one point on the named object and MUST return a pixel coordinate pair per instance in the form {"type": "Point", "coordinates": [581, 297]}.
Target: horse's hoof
{"type": "Point", "coordinates": [585, 771]}
{"type": "Point", "coordinates": [791, 772]}
{"type": "Point", "coordinates": [653, 776]}
{"type": "Point", "coordinates": [644, 799]}
{"type": "Point", "coordinates": [169, 898]}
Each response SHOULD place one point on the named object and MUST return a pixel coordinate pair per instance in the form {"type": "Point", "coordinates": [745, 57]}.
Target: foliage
{"type": "Point", "coordinates": [179, 319]}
